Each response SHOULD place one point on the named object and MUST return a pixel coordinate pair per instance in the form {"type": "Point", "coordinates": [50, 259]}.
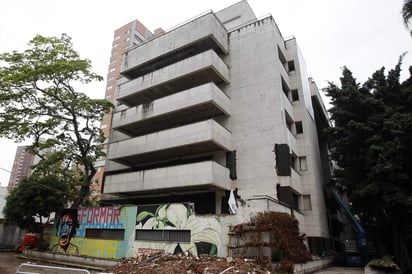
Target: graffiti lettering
{"type": "Point", "coordinates": [99, 215]}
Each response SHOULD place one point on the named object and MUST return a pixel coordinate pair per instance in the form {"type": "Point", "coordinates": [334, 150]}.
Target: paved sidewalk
{"type": "Point", "coordinates": [342, 270]}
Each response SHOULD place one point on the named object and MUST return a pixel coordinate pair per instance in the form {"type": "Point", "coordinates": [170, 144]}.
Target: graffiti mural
{"type": "Point", "coordinates": [66, 225]}
{"type": "Point", "coordinates": [193, 234]}
{"type": "Point", "coordinates": [127, 231]}
{"type": "Point", "coordinates": [96, 232]}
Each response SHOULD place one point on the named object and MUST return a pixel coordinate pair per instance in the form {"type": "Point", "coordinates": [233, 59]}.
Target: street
{"type": "Point", "coordinates": [9, 262]}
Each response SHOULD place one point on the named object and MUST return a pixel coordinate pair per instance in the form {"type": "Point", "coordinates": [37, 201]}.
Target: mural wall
{"type": "Point", "coordinates": [127, 231]}
{"type": "Point", "coordinates": [96, 232]}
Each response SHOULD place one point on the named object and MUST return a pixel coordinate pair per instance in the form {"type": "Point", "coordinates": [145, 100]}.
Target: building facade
{"type": "Point", "coordinates": [124, 38]}
{"type": "Point", "coordinates": [217, 111]}
{"type": "Point", "coordinates": [21, 166]}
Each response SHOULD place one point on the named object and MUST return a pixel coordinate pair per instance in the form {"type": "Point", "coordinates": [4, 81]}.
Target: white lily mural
{"type": "Point", "coordinates": [179, 217]}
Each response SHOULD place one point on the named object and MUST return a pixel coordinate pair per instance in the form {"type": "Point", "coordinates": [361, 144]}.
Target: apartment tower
{"type": "Point", "coordinates": [220, 109]}
{"type": "Point", "coordinates": [21, 166]}
{"type": "Point", "coordinates": [124, 39]}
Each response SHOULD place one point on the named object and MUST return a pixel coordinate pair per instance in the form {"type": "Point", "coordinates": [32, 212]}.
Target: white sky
{"type": "Point", "coordinates": [362, 35]}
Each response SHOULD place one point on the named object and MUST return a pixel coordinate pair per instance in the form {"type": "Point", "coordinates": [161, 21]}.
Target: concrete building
{"type": "Point", "coordinates": [221, 105]}
{"type": "Point", "coordinates": [3, 194]}
{"type": "Point", "coordinates": [124, 38]}
{"type": "Point", "coordinates": [21, 166]}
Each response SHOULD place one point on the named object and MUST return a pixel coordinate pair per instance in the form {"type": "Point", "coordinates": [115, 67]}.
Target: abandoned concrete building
{"type": "Point", "coordinates": [220, 113]}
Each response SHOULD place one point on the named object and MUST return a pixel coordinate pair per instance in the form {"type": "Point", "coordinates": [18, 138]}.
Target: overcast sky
{"type": "Point", "coordinates": [362, 35]}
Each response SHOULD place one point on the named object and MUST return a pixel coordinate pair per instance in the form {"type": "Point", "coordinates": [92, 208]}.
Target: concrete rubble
{"type": "Point", "coordinates": [183, 263]}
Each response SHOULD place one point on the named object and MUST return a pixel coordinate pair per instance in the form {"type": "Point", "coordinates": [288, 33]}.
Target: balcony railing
{"type": "Point", "coordinates": [200, 34]}
{"type": "Point", "coordinates": [194, 71]}
{"type": "Point", "coordinates": [191, 105]}
{"type": "Point", "coordinates": [192, 139]}
{"type": "Point", "coordinates": [206, 175]}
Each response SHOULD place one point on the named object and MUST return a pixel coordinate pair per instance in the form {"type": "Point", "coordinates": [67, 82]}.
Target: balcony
{"type": "Point", "coordinates": [206, 176]}
{"type": "Point", "coordinates": [191, 105]}
{"type": "Point", "coordinates": [194, 71]}
{"type": "Point", "coordinates": [200, 34]}
{"type": "Point", "coordinates": [192, 139]}
{"type": "Point", "coordinates": [292, 141]}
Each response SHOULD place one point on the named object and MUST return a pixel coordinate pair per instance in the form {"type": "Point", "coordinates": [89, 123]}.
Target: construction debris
{"type": "Point", "coordinates": [184, 263]}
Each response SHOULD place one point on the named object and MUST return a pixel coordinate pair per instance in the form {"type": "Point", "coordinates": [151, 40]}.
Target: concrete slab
{"type": "Point", "coordinates": [342, 270]}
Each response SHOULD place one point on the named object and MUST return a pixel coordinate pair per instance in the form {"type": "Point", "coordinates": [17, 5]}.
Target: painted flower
{"type": "Point", "coordinates": [177, 216]}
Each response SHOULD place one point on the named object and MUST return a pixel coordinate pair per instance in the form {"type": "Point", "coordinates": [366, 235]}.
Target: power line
{"type": "Point", "coordinates": [6, 170]}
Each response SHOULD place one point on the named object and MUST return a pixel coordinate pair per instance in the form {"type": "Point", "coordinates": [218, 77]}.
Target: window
{"type": "Point", "coordinates": [116, 45]}
{"type": "Point", "coordinates": [294, 161]}
{"type": "Point", "coordinates": [103, 126]}
{"type": "Point", "coordinates": [117, 37]}
{"type": "Point", "coordinates": [307, 203]}
{"type": "Point", "coordinates": [283, 163]}
{"type": "Point", "coordinates": [289, 121]}
{"type": "Point", "coordinates": [282, 58]}
{"type": "Point", "coordinates": [285, 87]}
{"type": "Point", "coordinates": [299, 127]}
{"type": "Point", "coordinates": [295, 95]}
{"type": "Point", "coordinates": [107, 234]}
{"type": "Point", "coordinates": [291, 65]}
{"type": "Point", "coordinates": [288, 196]}
{"type": "Point", "coordinates": [109, 87]}
{"type": "Point", "coordinates": [163, 235]}
{"type": "Point", "coordinates": [112, 69]}
{"type": "Point", "coordinates": [303, 165]}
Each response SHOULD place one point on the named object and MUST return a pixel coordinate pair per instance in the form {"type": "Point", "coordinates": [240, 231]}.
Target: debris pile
{"type": "Point", "coordinates": [183, 263]}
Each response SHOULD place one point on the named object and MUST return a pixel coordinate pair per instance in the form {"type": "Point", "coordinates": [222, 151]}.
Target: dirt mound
{"type": "Point", "coordinates": [181, 263]}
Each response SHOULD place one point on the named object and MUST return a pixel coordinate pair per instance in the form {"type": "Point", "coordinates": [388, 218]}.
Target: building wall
{"type": "Point", "coordinates": [270, 104]}
{"type": "Point", "coordinates": [124, 38]}
{"type": "Point", "coordinates": [21, 166]}
{"type": "Point", "coordinates": [113, 232]}
{"type": "Point", "coordinates": [3, 194]}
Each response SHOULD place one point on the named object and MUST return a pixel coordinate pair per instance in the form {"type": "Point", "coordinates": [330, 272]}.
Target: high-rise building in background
{"type": "Point", "coordinates": [21, 166]}
{"type": "Point", "coordinates": [219, 113]}
{"type": "Point", "coordinates": [124, 38]}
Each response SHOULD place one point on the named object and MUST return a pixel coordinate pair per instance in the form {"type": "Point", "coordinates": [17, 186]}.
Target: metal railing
{"type": "Point", "coordinates": [28, 268]}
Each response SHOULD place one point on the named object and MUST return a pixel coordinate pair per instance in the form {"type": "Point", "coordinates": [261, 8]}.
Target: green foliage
{"type": "Point", "coordinates": [386, 264]}
{"type": "Point", "coordinates": [38, 102]}
{"type": "Point", "coordinates": [35, 198]}
{"type": "Point", "coordinates": [371, 143]}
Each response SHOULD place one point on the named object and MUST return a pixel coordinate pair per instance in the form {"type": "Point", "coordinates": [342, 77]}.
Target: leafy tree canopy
{"type": "Point", "coordinates": [30, 204]}
{"type": "Point", "coordinates": [371, 142]}
{"type": "Point", "coordinates": [39, 102]}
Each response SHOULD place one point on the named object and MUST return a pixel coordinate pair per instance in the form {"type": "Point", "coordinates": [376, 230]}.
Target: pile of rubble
{"type": "Point", "coordinates": [182, 263]}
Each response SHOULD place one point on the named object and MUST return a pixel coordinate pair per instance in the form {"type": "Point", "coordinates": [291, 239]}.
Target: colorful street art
{"type": "Point", "coordinates": [65, 230]}
{"type": "Point", "coordinates": [127, 231]}
{"type": "Point", "coordinates": [93, 230]}
{"type": "Point", "coordinates": [204, 231]}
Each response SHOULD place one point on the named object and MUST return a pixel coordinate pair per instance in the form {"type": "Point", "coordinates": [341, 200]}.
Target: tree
{"type": "Point", "coordinates": [38, 101]}
{"type": "Point", "coordinates": [31, 203]}
{"type": "Point", "coordinates": [371, 143]}
{"type": "Point", "coordinates": [407, 14]}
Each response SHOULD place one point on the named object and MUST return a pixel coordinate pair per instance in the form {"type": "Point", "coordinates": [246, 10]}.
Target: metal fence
{"type": "Point", "coordinates": [37, 269]}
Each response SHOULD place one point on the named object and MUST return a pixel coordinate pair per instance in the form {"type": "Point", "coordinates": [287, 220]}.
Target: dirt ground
{"type": "Point", "coordinates": [9, 262]}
